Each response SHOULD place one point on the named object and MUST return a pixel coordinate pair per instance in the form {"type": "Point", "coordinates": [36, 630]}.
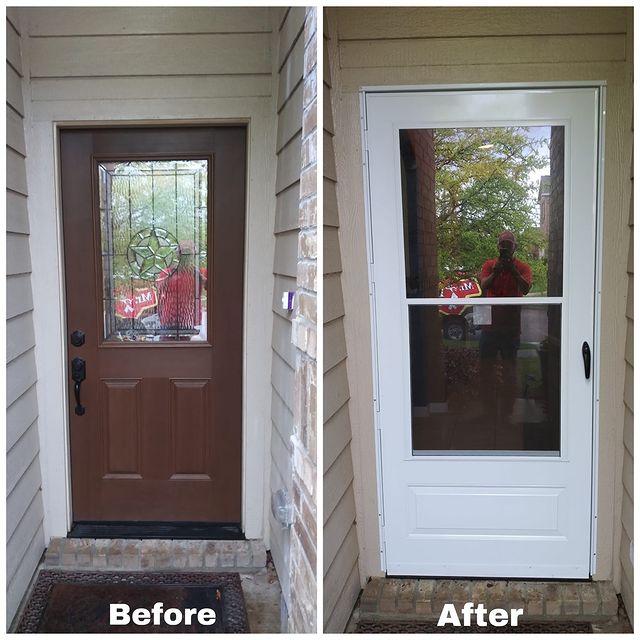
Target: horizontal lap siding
{"type": "Point", "coordinates": [627, 462]}
{"type": "Point", "coordinates": [287, 155]}
{"type": "Point", "coordinates": [386, 46]}
{"type": "Point", "coordinates": [25, 538]}
{"type": "Point", "coordinates": [340, 560]}
{"type": "Point", "coordinates": [123, 53]}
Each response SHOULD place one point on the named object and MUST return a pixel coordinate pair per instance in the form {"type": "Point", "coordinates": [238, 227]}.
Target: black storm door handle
{"type": "Point", "coordinates": [586, 358]}
{"type": "Point", "coordinates": [78, 374]}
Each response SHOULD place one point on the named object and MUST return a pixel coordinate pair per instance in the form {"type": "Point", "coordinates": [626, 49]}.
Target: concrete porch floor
{"type": "Point", "coordinates": [259, 580]}
{"type": "Point", "coordinates": [414, 599]}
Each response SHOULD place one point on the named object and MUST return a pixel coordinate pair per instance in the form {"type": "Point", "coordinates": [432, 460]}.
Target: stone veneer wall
{"type": "Point", "coordinates": [303, 612]}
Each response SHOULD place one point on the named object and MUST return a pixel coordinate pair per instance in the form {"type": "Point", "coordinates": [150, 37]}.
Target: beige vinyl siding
{"type": "Point", "coordinates": [626, 538]}
{"type": "Point", "coordinates": [289, 36]}
{"type": "Point", "coordinates": [386, 46]}
{"type": "Point", "coordinates": [25, 537]}
{"type": "Point", "coordinates": [340, 561]}
{"type": "Point", "coordinates": [124, 53]}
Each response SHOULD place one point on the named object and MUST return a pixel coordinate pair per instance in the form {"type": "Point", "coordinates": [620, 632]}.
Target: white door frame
{"type": "Point", "coordinates": [44, 119]}
{"type": "Point", "coordinates": [600, 139]}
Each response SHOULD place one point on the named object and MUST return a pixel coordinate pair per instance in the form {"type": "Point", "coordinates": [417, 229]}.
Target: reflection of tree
{"type": "Point", "coordinates": [483, 187]}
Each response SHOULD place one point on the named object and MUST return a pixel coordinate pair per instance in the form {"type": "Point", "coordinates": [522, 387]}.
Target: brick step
{"type": "Point", "coordinates": [423, 599]}
{"type": "Point", "coordinates": [151, 555]}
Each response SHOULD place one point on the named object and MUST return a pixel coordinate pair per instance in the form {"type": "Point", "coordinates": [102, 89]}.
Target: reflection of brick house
{"type": "Point", "coordinates": [544, 202]}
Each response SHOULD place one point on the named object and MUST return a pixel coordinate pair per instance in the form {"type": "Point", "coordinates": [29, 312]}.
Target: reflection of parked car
{"type": "Point", "coordinates": [457, 319]}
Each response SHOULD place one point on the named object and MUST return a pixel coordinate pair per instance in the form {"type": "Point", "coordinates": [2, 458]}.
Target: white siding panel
{"type": "Point", "coordinates": [291, 73]}
{"type": "Point", "coordinates": [291, 30]}
{"type": "Point", "coordinates": [452, 51]}
{"type": "Point", "coordinates": [20, 335]}
{"type": "Point", "coordinates": [19, 499]}
{"type": "Point", "coordinates": [286, 254]}
{"type": "Point", "coordinates": [13, 16]}
{"type": "Point", "coordinates": [353, 79]}
{"type": "Point", "coordinates": [155, 55]}
{"type": "Point", "coordinates": [329, 159]}
{"type": "Point", "coordinates": [330, 205]}
{"type": "Point", "coordinates": [282, 379]}
{"type": "Point", "coordinates": [19, 542]}
{"type": "Point", "coordinates": [289, 165]}
{"type": "Point", "coordinates": [121, 21]}
{"type": "Point", "coordinates": [438, 22]}
{"type": "Point", "coordinates": [21, 415]}
{"type": "Point", "coordinates": [282, 417]}
{"type": "Point", "coordinates": [336, 481]}
{"type": "Point", "coordinates": [338, 526]}
{"type": "Point", "coordinates": [332, 259]}
{"type": "Point", "coordinates": [340, 614]}
{"type": "Point", "coordinates": [19, 297]}
{"type": "Point", "coordinates": [16, 172]}
{"type": "Point", "coordinates": [335, 346]}
{"type": "Point", "coordinates": [20, 581]}
{"type": "Point", "coordinates": [17, 214]}
{"type": "Point", "coordinates": [122, 88]}
{"type": "Point", "coordinates": [337, 435]}
{"type": "Point", "coordinates": [290, 119]}
{"type": "Point", "coordinates": [281, 458]}
{"type": "Point", "coordinates": [287, 213]}
{"type": "Point", "coordinates": [13, 48]}
{"type": "Point", "coordinates": [336, 389]}
{"type": "Point", "coordinates": [338, 573]}
{"type": "Point", "coordinates": [333, 302]}
{"type": "Point", "coordinates": [21, 455]}
{"type": "Point", "coordinates": [18, 255]}
{"type": "Point", "coordinates": [281, 340]}
{"type": "Point", "coordinates": [15, 132]}
{"type": "Point", "coordinates": [14, 90]}
{"type": "Point", "coordinates": [21, 374]}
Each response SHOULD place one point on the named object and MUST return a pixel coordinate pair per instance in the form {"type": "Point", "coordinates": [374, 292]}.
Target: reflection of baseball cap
{"type": "Point", "coordinates": [506, 236]}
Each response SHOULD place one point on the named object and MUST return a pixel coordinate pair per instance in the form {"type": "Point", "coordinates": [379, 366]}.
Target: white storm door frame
{"type": "Point", "coordinates": [556, 542]}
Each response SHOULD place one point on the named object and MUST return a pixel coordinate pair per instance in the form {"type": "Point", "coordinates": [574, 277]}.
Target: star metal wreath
{"type": "Point", "coordinates": [152, 251]}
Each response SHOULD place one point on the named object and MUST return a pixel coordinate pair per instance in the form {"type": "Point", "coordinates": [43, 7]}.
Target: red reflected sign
{"type": "Point", "coordinates": [131, 304]}
{"type": "Point", "coordinates": [460, 289]}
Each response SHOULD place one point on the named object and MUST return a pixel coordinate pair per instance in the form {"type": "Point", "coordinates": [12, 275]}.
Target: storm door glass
{"type": "Point", "coordinates": [483, 216]}
{"type": "Point", "coordinates": [153, 228]}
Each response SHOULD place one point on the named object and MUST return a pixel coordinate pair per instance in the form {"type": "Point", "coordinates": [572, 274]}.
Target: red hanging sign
{"type": "Point", "coordinates": [460, 289]}
{"type": "Point", "coordinates": [131, 304]}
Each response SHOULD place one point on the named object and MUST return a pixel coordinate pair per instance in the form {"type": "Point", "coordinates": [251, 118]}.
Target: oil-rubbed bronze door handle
{"type": "Point", "coordinates": [78, 374]}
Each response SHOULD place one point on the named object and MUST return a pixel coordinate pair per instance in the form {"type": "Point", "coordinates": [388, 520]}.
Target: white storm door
{"type": "Point", "coordinates": [485, 408]}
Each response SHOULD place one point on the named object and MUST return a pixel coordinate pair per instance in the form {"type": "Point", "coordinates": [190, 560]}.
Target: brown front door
{"type": "Point", "coordinates": [153, 239]}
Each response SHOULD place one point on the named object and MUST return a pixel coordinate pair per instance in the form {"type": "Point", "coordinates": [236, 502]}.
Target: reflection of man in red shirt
{"type": "Point", "coordinates": [502, 277]}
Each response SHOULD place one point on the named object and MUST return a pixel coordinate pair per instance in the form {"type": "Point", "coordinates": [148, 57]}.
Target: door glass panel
{"type": "Point", "coordinates": [153, 227]}
{"type": "Point", "coordinates": [485, 378]}
{"type": "Point", "coordinates": [462, 188]}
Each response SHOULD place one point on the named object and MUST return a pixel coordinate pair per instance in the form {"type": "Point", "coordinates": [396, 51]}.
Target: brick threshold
{"type": "Point", "coordinates": [423, 599]}
{"type": "Point", "coordinates": [95, 554]}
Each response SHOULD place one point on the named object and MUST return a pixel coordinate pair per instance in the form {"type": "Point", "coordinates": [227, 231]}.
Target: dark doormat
{"type": "Point", "coordinates": [78, 602]}
{"type": "Point", "coordinates": [432, 627]}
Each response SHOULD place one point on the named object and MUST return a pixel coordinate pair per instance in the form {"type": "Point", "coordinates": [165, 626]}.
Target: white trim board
{"type": "Point", "coordinates": [48, 283]}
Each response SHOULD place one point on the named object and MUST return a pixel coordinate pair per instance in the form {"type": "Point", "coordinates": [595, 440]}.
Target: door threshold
{"type": "Point", "coordinates": [157, 530]}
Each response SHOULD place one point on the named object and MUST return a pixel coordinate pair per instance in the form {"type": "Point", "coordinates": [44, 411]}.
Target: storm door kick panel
{"type": "Point", "coordinates": [483, 222]}
{"type": "Point", "coordinates": [153, 240]}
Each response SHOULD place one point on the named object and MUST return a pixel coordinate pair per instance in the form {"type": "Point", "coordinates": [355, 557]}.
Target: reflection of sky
{"type": "Point", "coordinates": [537, 134]}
